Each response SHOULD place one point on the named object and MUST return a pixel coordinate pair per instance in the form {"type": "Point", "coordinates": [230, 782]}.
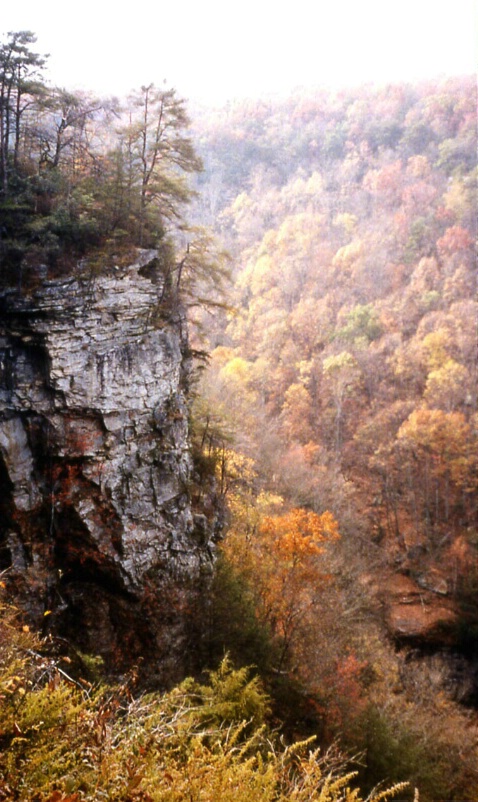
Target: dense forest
{"type": "Point", "coordinates": [335, 415]}
{"type": "Point", "coordinates": [351, 351]}
{"type": "Point", "coordinates": [341, 394]}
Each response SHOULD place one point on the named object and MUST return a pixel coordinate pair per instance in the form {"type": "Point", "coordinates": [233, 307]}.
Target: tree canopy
{"type": "Point", "coordinates": [87, 176]}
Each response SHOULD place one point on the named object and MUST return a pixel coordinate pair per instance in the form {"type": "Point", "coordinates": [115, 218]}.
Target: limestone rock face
{"type": "Point", "coordinates": [96, 524]}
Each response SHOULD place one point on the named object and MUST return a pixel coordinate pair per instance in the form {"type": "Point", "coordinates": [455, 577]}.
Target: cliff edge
{"type": "Point", "coordinates": [98, 540]}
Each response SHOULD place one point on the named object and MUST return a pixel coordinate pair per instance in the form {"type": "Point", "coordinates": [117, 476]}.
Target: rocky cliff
{"type": "Point", "coordinates": [98, 538]}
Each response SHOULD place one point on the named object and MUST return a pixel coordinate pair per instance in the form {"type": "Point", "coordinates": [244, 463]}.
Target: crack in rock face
{"type": "Point", "coordinates": [96, 521]}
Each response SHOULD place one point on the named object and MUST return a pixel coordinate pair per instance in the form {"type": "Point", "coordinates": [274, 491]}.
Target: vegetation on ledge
{"type": "Point", "coordinates": [85, 180]}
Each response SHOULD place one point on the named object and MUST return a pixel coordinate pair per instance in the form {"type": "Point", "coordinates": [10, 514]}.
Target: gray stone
{"type": "Point", "coordinates": [96, 467]}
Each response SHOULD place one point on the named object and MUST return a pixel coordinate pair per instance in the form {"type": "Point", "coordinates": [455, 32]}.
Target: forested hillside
{"type": "Point", "coordinates": [343, 383]}
{"type": "Point", "coordinates": [352, 347]}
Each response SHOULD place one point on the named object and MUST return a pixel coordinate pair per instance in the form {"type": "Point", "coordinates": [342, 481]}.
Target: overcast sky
{"type": "Point", "coordinates": [214, 50]}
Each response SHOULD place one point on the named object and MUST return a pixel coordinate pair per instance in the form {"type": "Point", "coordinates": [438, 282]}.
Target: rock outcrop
{"type": "Point", "coordinates": [420, 614]}
{"type": "Point", "coordinates": [97, 533]}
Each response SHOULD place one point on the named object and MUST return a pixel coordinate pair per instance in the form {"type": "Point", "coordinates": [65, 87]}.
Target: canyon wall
{"type": "Point", "coordinates": [99, 543]}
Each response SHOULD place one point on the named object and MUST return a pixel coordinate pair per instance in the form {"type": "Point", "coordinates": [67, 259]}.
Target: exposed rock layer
{"type": "Point", "coordinates": [420, 615]}
{"type": "Point", "coordinates": [96, 525]}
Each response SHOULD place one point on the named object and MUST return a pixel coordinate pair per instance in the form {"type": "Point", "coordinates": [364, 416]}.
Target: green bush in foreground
{"type": "Point", "coordinates": [62, 741]}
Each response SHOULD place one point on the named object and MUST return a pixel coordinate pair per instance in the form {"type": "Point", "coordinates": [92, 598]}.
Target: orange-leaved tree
{"type": "Point", "coordinates": [283, 561]}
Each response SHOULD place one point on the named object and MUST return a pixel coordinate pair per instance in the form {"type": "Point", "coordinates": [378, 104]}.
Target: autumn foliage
{"type": "Point", "coordinates": [355, 326]}
{"type": "Point", "coordinates": [283, 565]}
{"type": "Point", "coordinates": [341, 394]}
{"type": "Point", "coordinates": [347, 376]}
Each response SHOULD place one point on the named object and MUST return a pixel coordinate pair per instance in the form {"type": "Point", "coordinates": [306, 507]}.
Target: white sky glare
{"type": "Point", "coordinates": [212, 51]}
